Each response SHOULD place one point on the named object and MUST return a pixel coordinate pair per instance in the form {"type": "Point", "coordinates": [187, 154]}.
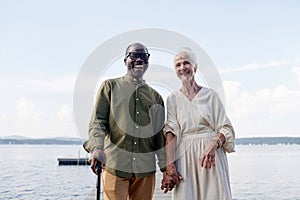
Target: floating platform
{"type": "Point", "coordinates": [73, 161]}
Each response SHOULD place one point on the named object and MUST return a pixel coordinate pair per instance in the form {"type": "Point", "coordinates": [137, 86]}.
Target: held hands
{"type": "Point", "coordinates": [171, 178]}
{"type": "Point", "coordinates": [207, 159]}
{"type": "Point", "coordinates": [96, 156]}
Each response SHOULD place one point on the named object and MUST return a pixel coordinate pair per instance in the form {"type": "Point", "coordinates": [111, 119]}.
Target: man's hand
{"type": "Point", "coordinates": [170, 181]}
{"type": "Point", "coordinates": [171, 178]}
{"type": "Point", "coordinates": [97, 156]}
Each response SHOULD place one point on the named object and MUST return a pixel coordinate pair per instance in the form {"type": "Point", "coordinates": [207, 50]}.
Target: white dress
{"type": "Point", "coordinates": [195, 123]}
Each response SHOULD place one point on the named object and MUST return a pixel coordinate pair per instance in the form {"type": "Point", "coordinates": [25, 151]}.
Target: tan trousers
{"type": "Point", "coordinates": [116, 188]}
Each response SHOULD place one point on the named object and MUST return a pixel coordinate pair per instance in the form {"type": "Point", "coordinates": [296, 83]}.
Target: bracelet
{"type": "Point", "coordinates": [97, 147]}
{"type": "Point", "coordinates": [219, 141]}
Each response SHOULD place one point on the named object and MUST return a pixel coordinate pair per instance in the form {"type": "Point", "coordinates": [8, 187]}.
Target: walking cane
{"type": "Point", "coordinates": [98, 186]}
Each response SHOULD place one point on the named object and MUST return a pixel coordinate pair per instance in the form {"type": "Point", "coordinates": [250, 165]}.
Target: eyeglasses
{"type": "Point", "coordinates": [135, 55]}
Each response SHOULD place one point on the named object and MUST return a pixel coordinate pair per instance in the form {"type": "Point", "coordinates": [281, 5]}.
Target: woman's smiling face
{"type": "Point", "coordinates": [185, 70]}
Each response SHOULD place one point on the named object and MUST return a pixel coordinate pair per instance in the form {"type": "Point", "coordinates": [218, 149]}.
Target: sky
{"type": "Point", "coordinates": [254, 45]}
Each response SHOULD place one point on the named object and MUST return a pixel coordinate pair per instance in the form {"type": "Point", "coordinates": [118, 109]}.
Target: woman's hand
{"type": "Point", "coordinates": [207, 159]}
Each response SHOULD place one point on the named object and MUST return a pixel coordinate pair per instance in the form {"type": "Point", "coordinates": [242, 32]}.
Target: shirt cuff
{"type": "Point", "coordinates": [228, 145]}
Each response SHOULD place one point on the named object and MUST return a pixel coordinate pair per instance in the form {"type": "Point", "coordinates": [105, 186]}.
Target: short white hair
{"type": "Point", "coordinates": [188, 54]}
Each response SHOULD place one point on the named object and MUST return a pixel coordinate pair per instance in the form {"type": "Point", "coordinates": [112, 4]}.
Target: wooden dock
{"type": "Point", "coordinates": [158, 193]}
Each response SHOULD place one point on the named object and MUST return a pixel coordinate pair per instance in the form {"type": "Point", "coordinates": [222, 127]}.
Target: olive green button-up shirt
{"type": "Point", "coordinates": [127, 122]}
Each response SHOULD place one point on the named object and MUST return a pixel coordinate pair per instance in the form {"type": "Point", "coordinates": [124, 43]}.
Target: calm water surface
{"type": "Point", "coordinates": [31, 172]}
{"type": "Point", "coordinates": [265, 172]}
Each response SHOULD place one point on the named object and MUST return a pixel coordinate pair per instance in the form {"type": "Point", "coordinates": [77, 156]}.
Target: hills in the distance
{"type": "Point", "coordinates": [268, 140]}
{"type": "Point", "coordinates": [17, 139]}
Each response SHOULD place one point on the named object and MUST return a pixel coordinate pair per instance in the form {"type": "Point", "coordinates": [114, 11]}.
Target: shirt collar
{"type": "Point", "coordinates": [135, 81]}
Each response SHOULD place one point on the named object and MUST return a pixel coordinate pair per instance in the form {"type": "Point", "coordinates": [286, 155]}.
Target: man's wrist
{"type": "Point", "coordinates": [171, 169]}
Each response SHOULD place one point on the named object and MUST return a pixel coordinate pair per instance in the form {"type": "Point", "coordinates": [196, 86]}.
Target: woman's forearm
{"type": "Point", "coordinates": [170, 147]}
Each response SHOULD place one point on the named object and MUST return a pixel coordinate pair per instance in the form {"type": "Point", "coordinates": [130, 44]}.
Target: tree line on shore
{"type": "Point", "coordinates": [268, 140]}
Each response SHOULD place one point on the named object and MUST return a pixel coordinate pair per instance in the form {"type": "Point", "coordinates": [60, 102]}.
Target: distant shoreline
{"type": "Point", "coordinates": [77, 141]}
{"type": "Point", "coordinates": [268, 140]}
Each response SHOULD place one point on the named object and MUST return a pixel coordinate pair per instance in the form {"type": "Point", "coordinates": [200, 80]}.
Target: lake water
{"type": "Point", "coordinates": [32, 172]}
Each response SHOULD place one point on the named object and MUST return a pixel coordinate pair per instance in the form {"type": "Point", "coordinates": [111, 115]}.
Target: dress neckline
{"type": "Point", "coordinates": [191, 100]}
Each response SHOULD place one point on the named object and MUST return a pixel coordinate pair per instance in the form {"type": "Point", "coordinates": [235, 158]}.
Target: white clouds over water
{"type": "Point", "coordinates": [33, 121]}
{"type": "Point", "coordinates": [268, 111]}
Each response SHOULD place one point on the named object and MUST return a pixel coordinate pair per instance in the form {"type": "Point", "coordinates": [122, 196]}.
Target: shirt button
{"type": "Point", "coordinates": [134, 142]}
{"type": "Point", "coordinates": [137, 99]}
{"type": "Point", "coordinates": [137, 112]}
{"type": "Point", "coordinates": [133, 158]}
{"type": "Point", "coordinates": [137, 127]}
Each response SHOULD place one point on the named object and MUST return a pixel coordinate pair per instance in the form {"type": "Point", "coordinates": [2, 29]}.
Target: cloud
{"type": "Point", "coordinates": [28, 119]}
{"type": "Point", "coordinates": [296, 71]}
{"type": "Point", "coordinates": [256, 66]}
{"type": "Point", "coordinates": [31, 120]}
{"type": "Point", "coordinates": [62, 83]}
{"type": "Point", "coordinates": [4, 119]}
{"type": "Point", "coordinates": [64, 114]}
{"type": "Point", "coordinates": [27, 112]}
{"type": "Point", "coordinates": [265, 112]}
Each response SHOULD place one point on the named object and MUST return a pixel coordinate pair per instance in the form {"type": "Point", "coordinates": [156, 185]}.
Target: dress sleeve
{"type": "Point", "coordinates": [171, 124]}
{"type": "Point", "coordinates": [222, 123]}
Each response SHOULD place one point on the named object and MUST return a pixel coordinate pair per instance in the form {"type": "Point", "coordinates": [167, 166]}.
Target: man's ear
{"type": "Point", "coordinates": [195, 68]}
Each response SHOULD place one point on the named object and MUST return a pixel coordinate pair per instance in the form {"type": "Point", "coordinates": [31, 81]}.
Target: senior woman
{"type": "Point", "coordinates": [198, 135]}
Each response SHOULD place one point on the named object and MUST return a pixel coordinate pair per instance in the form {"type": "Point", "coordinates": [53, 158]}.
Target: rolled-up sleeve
{"type": "Point", "coordinates": [171, 124]}
{"type": "Point", "coordinates": [222, 123]}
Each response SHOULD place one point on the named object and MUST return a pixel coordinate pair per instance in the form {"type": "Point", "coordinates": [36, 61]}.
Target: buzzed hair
{"type": "Point", "coordinates": [137, 43]}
